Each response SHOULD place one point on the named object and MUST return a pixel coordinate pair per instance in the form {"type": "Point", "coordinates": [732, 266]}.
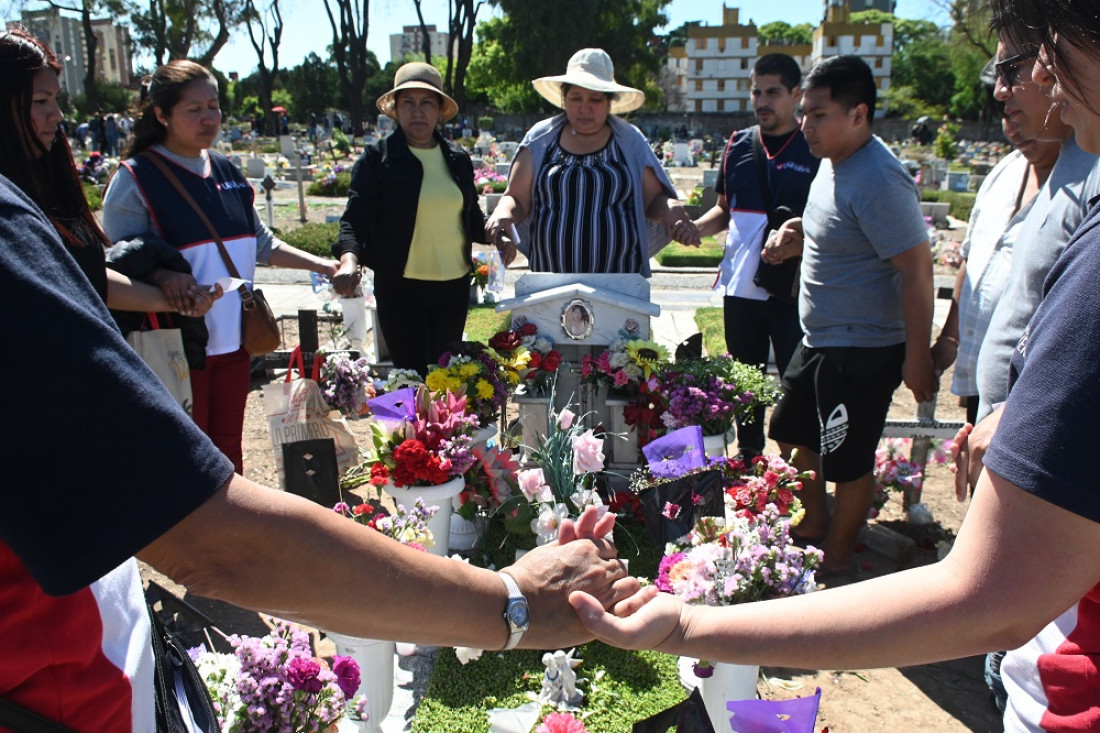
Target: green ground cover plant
{"type": "Point", "coordinates": [678, 255]}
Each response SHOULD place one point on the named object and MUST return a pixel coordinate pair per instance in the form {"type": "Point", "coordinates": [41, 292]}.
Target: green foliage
{"type": "Point", "coordinates": [905, 103]}
{"type": "Point", "coordinates": [483, 322]}
{"type": "Point", "coordinates": [508, 56]}
{"type": "Point", "coordinates": [315, 238]}
{"type": "Point", "coordinates": [337, 187]}
{"type": "Point", "coordinates": [946, 143]}
{"type": "Point", "coordinates": [340, 142]}
{"type": "Point", "coordinates": [679, 255]}
{"type": "Point", "coordinates": [112, 98]}
{"type": "Point", "coordinates": [782, 33]}
{"type": "Point", "coordinates": [485, 123]}
{"type": "Point", "coordinates": [249, 106]}
{"type": "Point", "coordinates": [961, 202]}
{"type": "Point", "coordinates": [711, 324]}
{"type": "Point", "coordinates": [94, 194]}
{"type": "Point", "coordinates": [312, 84]}
{"type": "Point", "coordinates": [282, 98]}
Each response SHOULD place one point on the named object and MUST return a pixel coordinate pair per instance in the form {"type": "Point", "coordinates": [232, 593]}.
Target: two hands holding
{"type": "Point", "coordinates": [578, 590]}
{"type": "Point", "coordinates": [184, 295]}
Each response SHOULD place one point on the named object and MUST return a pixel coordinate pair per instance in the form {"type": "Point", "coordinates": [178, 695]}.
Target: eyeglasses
{"type": "Point", "coordinates": [1009, 70]}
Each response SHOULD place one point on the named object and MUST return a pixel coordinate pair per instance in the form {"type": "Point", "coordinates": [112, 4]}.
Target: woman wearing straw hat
{"type": "Point", "coordinates": [412, 215]}
{"type": "Point", "coordinates": [586, 184]}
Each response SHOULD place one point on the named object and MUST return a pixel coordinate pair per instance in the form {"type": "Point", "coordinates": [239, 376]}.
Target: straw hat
{"type": "Point", "coordinates": [417, 75]}
{"type": "Point", "coordinates": [591, 68]}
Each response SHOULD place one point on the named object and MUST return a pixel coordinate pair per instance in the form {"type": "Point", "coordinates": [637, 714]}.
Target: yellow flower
{"type": "Point", "coordinates": [437, 380]}
{"type": "Point", "coordinates": [484, 389]}
{"type": "Point", "coordinates": [647, 355]}
{"type": "Point", "coordinates": [468, 370]}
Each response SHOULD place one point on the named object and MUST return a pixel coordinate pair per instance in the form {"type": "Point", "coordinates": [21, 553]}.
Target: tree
{"type": "Point", "coordinates": [269, 35]}
{"type": "Point", "coordinates": [782, 33]}
{"type": "Point", "coordinates": [85, 9]}
{"type": "Point", "coordinates": [461, 20]}
{"type": "Point", "coordinates": [425, 39]}
{"type": "Point", "coordinates": [350, 24]}
{"type": "Point", "coordinates": [312, 84]}
{"type": "Point", "coordinates": [509, 57]}
{"type": "Point", "coordinates": [180, 29]}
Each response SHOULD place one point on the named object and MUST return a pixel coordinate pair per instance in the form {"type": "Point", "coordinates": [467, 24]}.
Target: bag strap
{"type": "Point", "coordinates": [295, 358]}
{"type": "Point", "coordinates": [20, 719]}
{"type": "Point", "coordinates": [762, 174]}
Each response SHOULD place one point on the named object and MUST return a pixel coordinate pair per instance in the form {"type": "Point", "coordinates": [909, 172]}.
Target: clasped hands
{"type": "Point", "coordinates": [347, 277]}
{"type": "Point", "coordinates": [184, 295]}
{"type": "Point", "coordinates": [577, 589]}
{"type": "Point", "coordinates": [782, 244]}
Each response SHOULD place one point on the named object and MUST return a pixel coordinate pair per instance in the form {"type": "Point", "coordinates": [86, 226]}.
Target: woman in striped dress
{"type": "Point", "coordinates": [585, 188]}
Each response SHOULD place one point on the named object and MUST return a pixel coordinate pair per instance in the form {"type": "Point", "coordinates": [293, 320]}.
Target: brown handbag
{"type": "Point", "coordinates": [259, 331]}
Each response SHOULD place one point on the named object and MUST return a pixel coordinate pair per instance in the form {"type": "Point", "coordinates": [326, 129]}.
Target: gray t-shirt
{"type": "Point", "coordinates": [1056, 212]}
{"type": "Point", "coordinates": [860, 213]}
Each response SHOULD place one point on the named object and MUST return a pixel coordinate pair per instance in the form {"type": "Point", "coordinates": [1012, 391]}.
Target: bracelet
{"type": "Point", "coordinates": [952, 339]}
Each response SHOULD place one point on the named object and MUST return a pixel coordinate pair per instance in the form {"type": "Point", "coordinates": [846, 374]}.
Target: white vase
{"type": "Point", "coordinates": [375, 659]}
{"type": "Point", "coordinates": [465, 533]}
{"type": "Point", "coordinates": [717, 446]}
{"type": "Point", "coordinates": [729, 682]}
{"type": "Point", "coordinates": [440, 496]}
{"type": "Point", "coordinates": [354, 311]}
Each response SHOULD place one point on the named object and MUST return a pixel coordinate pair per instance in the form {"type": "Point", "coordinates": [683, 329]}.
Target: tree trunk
{"type": "Point", "coordinates": [91, 94]}
{"type": "Point", "coordinates": [349, 50]}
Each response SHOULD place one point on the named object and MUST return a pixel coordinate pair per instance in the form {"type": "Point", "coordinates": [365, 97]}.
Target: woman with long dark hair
{"type": "Point", "coordinates": [35, 156]}
{"type": "Point", "coordinates": [179, 118]}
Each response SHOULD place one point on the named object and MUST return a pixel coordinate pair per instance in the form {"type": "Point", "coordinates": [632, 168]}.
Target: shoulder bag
{"type": "Point", "coordinates": [259, 331]}
{"type": "Point", "coordinates": [781, 281]}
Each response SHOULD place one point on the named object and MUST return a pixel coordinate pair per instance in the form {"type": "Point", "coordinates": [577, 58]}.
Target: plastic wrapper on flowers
{"type": "Point", "coordinates": [678, 491]}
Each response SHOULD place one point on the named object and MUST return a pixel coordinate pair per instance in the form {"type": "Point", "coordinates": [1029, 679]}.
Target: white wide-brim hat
{"type": "Point", "coordinates": [591, 68]}
{"type": "Point", "coordinates": [417, 75]}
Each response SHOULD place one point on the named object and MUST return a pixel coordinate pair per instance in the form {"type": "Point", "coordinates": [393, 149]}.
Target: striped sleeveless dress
{"type": "Point", "coordinates": [583, 214]}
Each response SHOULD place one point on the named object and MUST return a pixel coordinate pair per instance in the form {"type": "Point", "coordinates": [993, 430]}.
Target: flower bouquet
{"type": "Point", "coordinates": [895, 472]}
{"type": "Point", "coordinates": [407, 526]}
{"type": "Point", "coordinates": [627, 364]}
{"type": "Point", "coordinates": [563, 486]}
{"type": "Point", "coordinates": [275, 683]}
{"type": "Point", "coordinates": [712, 393]}
{"type": "Point", "coordinates": [490, 481]}
{"type": "Point", "coordinates": [346, 384]}
{"type": "Point", "coordinates": [489, 181]}
{"type": "Point", "coordinates": [420, 439]}
{"type": "Point", "coordinates": [476, 373]}
{"type": "Point", "coordinates": [528, 356]}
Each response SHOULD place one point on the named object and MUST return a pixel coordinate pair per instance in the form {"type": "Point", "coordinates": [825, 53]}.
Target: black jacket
{"type": "Point", "coordinates": [137, 258]}
{"type": "Point", "coordinates": [385, 190]}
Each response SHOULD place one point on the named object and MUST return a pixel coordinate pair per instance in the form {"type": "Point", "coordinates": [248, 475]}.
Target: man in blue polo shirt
{"type": "Point", "coordinates": [753, 316]}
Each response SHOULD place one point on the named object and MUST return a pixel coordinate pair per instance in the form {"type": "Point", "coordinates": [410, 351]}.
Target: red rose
{"type": "Point", "coordinates": [552, 361]}
{"type": "Point", "coordinates": [536, 360]}
{"type": "Point", "coordinates": [505, 341]}
{"type": "Point", "coordinates": [528, 329]}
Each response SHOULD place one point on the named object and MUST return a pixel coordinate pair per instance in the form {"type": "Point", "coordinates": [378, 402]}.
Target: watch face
{"type": "Point", "coordinates": [518, 614]}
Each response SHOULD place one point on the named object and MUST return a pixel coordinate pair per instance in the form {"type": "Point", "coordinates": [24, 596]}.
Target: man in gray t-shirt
{"type": "Point", "coordinates": [1057, 210]}
{"type": "Point", "coordinates": [865, 305]}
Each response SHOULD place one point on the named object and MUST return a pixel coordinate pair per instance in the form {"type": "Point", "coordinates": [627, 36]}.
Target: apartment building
{"type": "Point", "coordinates": [410, 41]}
{"type": "Point", "coordinates": [713, 68]}
{"type": "Point", "coordinates": [65, 36]}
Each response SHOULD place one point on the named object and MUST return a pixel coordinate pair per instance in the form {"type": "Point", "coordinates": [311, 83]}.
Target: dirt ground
{"type": "Point", "coordinates": [948, 696]}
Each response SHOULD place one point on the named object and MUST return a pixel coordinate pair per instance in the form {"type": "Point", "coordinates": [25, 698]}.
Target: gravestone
{"type": "Point", "coordinates": [508, 149]}
{"type": "Point", "coordinates": [254, 167]}
{"type": "Point", "coordinates": [583, 314]}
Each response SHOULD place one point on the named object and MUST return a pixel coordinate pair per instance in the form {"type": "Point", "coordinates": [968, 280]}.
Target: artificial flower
{"type": "Point", "coordinates": [587, 453]}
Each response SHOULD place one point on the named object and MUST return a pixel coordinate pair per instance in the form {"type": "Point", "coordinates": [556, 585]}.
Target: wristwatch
{"type": "Point", "coordinates": [516, 614]}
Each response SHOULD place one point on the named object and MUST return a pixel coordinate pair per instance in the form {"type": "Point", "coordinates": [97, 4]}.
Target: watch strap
{"type": "Point", "coordinates": [514, 634]}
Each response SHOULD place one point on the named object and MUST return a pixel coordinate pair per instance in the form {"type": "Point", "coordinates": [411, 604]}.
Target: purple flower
{"type": "Point", "coordinates": [302, 674]}
{"type": "Point", "coordinates": [347, 675]}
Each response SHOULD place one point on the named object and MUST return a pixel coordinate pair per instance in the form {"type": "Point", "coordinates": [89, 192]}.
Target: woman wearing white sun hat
{"type": "Point", "coordinates": [585, 185]}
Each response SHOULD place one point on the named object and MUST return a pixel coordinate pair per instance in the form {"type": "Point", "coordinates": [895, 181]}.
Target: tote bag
{"type": "Point", "coordinates": [162, 350]}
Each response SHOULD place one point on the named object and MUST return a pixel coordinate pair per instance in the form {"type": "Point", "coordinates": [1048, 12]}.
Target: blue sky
{"type": "Point", "coordinates": [307, 27]}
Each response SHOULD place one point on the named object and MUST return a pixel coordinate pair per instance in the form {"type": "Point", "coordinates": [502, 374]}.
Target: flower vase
{"type": "Point", "coordinates": [717, 446]}
{"type": "Point", "coordinates": [466, 533]}
{"type": "Point", "coordinates": [354, 311]}
{"type": "Point", "coordinates": [440, 496]}
{"type": "Point", "coordinates": [375, 659]}
{"type": "Point", "coordinates": [728, 682]}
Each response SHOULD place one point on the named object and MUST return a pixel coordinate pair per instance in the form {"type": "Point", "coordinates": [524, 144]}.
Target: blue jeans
{"type": "Point", "coordinates": [751, 326]}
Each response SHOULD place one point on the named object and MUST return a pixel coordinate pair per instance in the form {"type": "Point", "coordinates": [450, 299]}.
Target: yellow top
{"type": "Point", "coordinates": [437, 244]}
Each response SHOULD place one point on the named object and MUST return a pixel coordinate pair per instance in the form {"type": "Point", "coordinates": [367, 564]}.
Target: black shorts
{"type": "Point", "coordinates": [835, 401]}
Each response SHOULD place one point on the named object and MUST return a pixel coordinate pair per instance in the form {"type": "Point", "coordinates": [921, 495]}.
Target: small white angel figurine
{"type": "Point", "coordinates": [559, 684]}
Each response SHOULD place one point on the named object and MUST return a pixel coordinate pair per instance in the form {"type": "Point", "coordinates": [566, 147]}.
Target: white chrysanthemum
{"type": "Point", "coordinates": [618, 359]}
{"type": "Point", "coordinates": [633, 371]}
{"type": "Point", "coordinates": [467, 654]}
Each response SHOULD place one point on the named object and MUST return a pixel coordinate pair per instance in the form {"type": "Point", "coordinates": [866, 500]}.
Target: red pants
{"type": "Point", "coordinates": [220, 392]}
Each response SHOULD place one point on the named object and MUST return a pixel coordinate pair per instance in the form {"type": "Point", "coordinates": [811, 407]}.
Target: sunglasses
{"type": "Point", "coordinates": [1009, 70]}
